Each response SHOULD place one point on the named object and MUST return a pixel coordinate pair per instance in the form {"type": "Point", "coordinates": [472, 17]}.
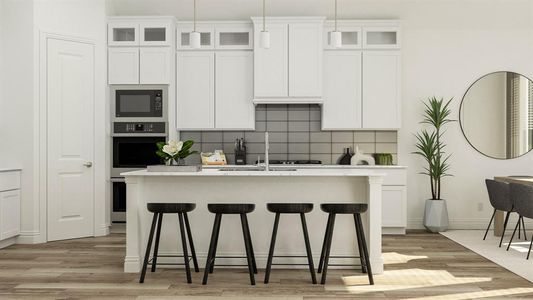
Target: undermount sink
{"type": "Point", "coordinates": [245, 169]}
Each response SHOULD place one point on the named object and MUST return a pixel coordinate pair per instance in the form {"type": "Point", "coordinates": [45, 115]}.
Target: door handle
{"type": "Point", "coordinates": [88, 164]}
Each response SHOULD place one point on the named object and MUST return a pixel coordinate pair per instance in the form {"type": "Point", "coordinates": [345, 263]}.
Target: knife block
{"type": "Point", "coordinates": [240, 157]}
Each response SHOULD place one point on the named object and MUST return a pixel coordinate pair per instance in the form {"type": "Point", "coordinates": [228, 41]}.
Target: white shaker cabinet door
{"type": "Point", "coordinates": [394, 206]}
{"type": "Point", "coordinates": [155, 65]}
{"type": "Point", "coordinates": [270, 65]}
{"type": "Point", "coordinates": [123, 65]}
{"type": "Point", "coordinates": [381, 89]}
{"type": "Point", "coordinates": [342, 90]}
{"type": "Point", "coordinates": [9, 214]}
{"type": "Point", "coordinates": [305, 59]}
{"type": "Point", "coordinates": [234, 90]}
{"type": "Point", "coordinates": [196, 90]}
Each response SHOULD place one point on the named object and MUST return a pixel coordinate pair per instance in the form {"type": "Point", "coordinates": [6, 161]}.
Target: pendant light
{"type": "Point", "coordinates": [194, 37]}
{"type": "Point", "coordinates": [336, 36]}
{"type": "Point", "coordinates": [264, 37]}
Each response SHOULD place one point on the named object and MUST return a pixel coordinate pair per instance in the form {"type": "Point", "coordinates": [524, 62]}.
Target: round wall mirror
{"type": "Point", "coordinates": [496, 115]}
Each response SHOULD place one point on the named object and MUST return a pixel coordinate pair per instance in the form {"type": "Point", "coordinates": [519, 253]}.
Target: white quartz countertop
{"type": "Point", "coordinates": [316, 172]}
{"type": "Point", "coordinates": [311, 166]}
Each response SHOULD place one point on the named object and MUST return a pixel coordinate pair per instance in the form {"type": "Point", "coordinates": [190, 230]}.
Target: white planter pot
{"type": "Point", "coordinates": [436, 216]}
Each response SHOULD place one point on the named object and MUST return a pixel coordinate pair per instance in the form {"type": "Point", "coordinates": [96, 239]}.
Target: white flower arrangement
{"type": "Point", "coordinates": [173, 150]}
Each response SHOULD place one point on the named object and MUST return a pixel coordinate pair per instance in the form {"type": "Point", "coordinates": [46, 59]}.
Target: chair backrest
{"type": "Point", "coordinates": [499, 196]}
{"type": "Point", "coordinates": [522, 197]}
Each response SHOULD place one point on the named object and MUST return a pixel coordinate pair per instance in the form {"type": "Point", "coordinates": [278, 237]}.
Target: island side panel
{"type": "Point", "coordinates": [374, 223]}
{"type": "Point", "coordinates": [134, 203]}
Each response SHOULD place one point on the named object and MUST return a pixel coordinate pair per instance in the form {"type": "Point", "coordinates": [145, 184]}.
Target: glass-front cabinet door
{"type": "Point", "coordinates": [207, 34]}
{"type": "Point", "coordinates": [155, 34]}
{"type": "Point", "coordinates": [234, 36]}
{"type": "Point", "coordinates": [123, 34]}
{"type": "Point", "coordinates": [381, 38]}
{"type": "Point", "coordinates": [351, 36]}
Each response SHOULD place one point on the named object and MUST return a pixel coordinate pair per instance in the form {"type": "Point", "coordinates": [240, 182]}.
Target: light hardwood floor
{"type": "Point", "coordinates": [417, 266]}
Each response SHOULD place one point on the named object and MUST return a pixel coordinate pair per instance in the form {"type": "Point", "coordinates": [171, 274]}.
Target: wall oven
{"type": "Point", "coordinates": [133, 148]}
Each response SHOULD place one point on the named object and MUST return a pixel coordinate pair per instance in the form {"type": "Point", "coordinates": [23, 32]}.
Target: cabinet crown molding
{"type": "Point", "coordinates": [288, 19]}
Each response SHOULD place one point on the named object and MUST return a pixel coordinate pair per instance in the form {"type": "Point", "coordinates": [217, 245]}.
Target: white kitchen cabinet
{"type": "Point", "coordinates": [305, 59]}
{"type": "Point", "coordinates": [381, 89]}
{"type": "Point", "coordinates": [341, 109]}
{"type": "Point", "coordinates": [9, 206]}
{"type": "Point", "coordinates": [351, 36]}
{"type": "Point", "coordinates": [207, 34]}
{"type": "Point", "coordinates": [381, 37]}
{"type": "Point", "coordinates": [123, 65]}
{"type": "Point", "coordinates": [394, 210]}
{"type": "Point", "coordinates": [155, 65]}
{"type": "Point", "coordinates": [123, 34]}
{"type": "Point", "coordinates": [290, 71]}
{"type": "Point", "coordinates": [155, 33]}
{"type": "Point", "coordinates": [234, 90]}
{"type": "Point", "coordinates": [271, 71]}
{"type": "Point", "coordinates": [234, 36]}
{"type": "Point", "coordinates": [196, 90]}
{"type": "Point", "coordinates": [9, 214]}
{"type": "Point", "coordinates": [134, 65]}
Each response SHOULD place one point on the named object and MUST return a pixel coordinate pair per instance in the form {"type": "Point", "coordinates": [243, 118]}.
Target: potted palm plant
{"type": "Point", "coordinates": [431, 147]}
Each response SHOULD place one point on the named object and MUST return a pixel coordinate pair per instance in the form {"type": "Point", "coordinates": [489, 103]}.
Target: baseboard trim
{"type": "Point", "coordinates": [30, 237]}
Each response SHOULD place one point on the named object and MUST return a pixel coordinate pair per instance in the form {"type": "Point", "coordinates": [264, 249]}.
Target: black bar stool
{"type": "Point", "coordinates": [290, 208]}
{"type": "Point", "coordinates": [219, 210]}
{"type": "Point", "coordinates": [170, 208]}
{"type": "Point", "coordinates": [354, 209]}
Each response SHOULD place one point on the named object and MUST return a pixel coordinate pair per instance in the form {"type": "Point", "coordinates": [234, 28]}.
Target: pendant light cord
{"type": "Point", "coordinates": [264, 13]}
{"type": "Point", "coordinates": [194, 17]}
{"type": "Point", "coordinates": [335, 15]}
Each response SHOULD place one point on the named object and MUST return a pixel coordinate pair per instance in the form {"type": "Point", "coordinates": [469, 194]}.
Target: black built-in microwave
{"type": "Point", "coordinates": [139, 104]}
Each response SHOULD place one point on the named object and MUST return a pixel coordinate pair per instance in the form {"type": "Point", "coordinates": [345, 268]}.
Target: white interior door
{"type": "Point", "coordinates": [70, 123]}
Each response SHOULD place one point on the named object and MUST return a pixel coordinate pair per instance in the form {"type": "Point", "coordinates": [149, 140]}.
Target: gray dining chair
{"type": "Point", "coordinates": [522, 197]}
{"type": "Point", "coordinates": [500, 199]}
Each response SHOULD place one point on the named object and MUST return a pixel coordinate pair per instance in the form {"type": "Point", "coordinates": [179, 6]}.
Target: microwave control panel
{"type": "Point", "coordinates": [139, 127]}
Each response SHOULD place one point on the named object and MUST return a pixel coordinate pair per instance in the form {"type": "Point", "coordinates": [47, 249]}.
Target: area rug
{"type": "Point", "coordinates": [513, 260]}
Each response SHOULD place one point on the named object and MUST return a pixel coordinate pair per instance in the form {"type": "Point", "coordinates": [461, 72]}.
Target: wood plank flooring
{"type": "Point", "coordinates": [417, 266]}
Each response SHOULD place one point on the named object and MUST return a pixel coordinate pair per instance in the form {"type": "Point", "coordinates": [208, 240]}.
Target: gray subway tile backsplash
{"type": "Point", "coordinates": [294, 132]}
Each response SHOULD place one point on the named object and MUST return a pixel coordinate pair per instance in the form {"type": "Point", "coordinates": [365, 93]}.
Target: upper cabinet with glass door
{"type": "Point", "coordinates": [140, 31]}
{"type": "Point", "coordinates": [207, 35]}
{"type": "Point", "coordinates": [234, 36]}
{"type": "Point", "coordinates": [381, 37]}
{"type": "Point", "coordinates": [351, 34]}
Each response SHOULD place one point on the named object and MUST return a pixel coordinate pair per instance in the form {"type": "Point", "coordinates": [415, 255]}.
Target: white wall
{"type": "Point", "coordinates": [447, 45]}
{"type": "Point", "coordinates": [20, 99]}
{"type": "Point", "coordinates": [17, 119]}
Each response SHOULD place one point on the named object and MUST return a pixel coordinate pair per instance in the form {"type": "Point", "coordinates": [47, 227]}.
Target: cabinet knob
{"type": "Point", "coordinates": [88, 164]}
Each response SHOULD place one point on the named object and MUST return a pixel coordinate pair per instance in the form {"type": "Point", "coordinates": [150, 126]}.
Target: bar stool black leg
{"type": "Point", "coordinates": [271, 251]}
{"type": "Point", "coordinates": [247, 244]}
{"type": "Point", "coordinates": [214, 256]}
{"type": "Point", "coordinates": [157, 236]}
{"type": "Point", "coordinates": [148, 248]}
{"type": "Point", "coordinates": [361, 256]}
{"type": "Point", "coordinates": [254, 265]}
{"type": "Point", "coordinates": [184, 245]}
{"type": "Point", "coordinates": [191, 243]}
{"type": "Point", "coordinates": [321, 261]}
{"type": "Point", "coordinates": [328, 249]}
{"type": "Point", "coordinates": [308, 249]}
{"type": "Point", "coordinates": [365, 249]}
{"type": "Point", "coordinates": [210, 254]}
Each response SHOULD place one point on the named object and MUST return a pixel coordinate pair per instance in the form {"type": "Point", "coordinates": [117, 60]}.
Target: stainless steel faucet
{"type": "Point", "coordinates": [267, 147]}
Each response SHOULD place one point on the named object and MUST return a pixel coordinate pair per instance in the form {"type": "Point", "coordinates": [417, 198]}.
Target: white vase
{"type": "Point", "coordinates": [436, 216]}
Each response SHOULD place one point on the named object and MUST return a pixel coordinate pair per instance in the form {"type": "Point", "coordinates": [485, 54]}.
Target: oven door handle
{"type": "Point", "coordinates": [118, 179]}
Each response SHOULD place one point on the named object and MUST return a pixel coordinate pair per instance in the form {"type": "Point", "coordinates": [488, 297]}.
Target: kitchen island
{"type": "Point", "coordinates": [350, 185]}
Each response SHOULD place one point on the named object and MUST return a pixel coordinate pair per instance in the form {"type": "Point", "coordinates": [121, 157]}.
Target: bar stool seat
{"type": "Point", "coordinates": [220, 209]}
{"type": "Point", "coordinates": [290, 208]}
{"type": "Point", "coordinates": [158, 210]}
{"type": "Point", "coordinates": [354, 209]}
{"type": "Point", "coordinates": [171, 208]}
{"type": "Point", "coordinates": [344, 208]}
{"type": "Point", "coordinates": [231, 208]}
